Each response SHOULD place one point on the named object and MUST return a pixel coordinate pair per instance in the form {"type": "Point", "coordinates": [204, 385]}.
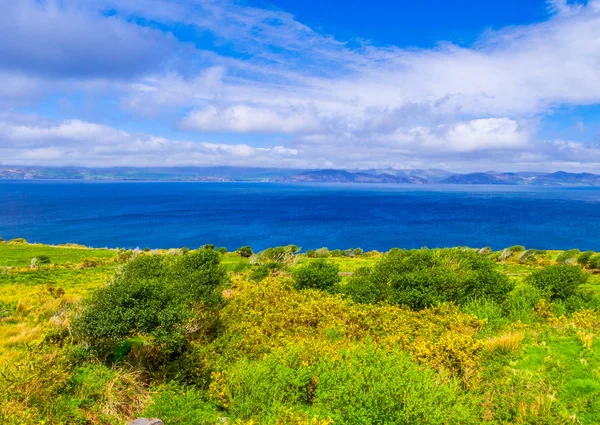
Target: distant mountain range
{"type": "Point", "coordinates": [280, 175]}
{"type": "Point", "coordinates": [341, 176]}
{"type": "Point", "coordinates": [559, 178]}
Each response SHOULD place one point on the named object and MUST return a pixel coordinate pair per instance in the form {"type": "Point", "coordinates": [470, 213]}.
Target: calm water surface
{"type": "Point", "coordinates": [261, 215]}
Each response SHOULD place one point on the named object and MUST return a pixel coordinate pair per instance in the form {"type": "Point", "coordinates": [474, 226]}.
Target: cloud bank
{"type": "Point", "coordinates": [270, 91]}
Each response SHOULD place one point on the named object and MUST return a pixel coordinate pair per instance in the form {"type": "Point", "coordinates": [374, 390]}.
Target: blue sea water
{"type": "Point", "coordinates": [162, 215]}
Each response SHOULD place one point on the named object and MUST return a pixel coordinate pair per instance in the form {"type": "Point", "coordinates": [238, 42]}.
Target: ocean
{"type": "Point", "coordinates": [165, 214]}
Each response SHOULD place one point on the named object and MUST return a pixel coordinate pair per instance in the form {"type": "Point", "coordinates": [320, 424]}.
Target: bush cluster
{"type": "Point", "coordinates": [319, 274]}
{"type": "Point", "coordinates": [421, 278]}
{"type": "Point", "coordinates": [158, 299]}
{"type": "Point", "coordinates": [559, 282]}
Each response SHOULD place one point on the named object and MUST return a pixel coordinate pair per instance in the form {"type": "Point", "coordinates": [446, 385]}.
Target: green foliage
{"type": "Point", "coordinates": [245, 251]}
{"type": "Point", "coordinates": [268, 353]}
{"type": "Point", "coordinates": [584, 258]}
{"type": "Point", "coordinates": [182, 405]}
{"type": "Point", "coordinates": [560, 281]}
{"type": "Point", "coordinates": [371, 386]}
{"type": "Point", "coordinates": [259, 390]}
{"type": "Point", "coordinates": [40, 260]}
{"type": "Point", "coordinates": [18, 241]}
{"type": "Point", "coordinates": [420, 278]}
{"type": "Point", "coordinates": [154, 297]}
{"type": "Point", "coordinates": [318, 274]}
{"type": "Point", "coordinates": [264, 270]}
{"type": "Point", "coordinates": [222, 250]}
{"type": "Point", "coordinates": [483, 308]}
{"type": "Point", "coordinates": [569, 257]}
{"type": "Point", "coordinates": [521, 302]}
{"type": "Point", "coordinates": [362, 288]}
{"type": "Point", "coordinates": [528, 256]}
{"type": "Point", "coordinates": [284, 255]}
{"type": "Point", "coordinates": [311, 253]}
{"type": "Point", "coordinates": [594, 262]}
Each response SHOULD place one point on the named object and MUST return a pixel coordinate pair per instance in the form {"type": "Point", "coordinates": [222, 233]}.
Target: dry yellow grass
{"type": "Point", "coordinates": [505, 343]}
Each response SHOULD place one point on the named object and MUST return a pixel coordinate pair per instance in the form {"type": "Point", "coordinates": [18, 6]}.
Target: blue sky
{"type": "Point", "coordinates": [462, 85]}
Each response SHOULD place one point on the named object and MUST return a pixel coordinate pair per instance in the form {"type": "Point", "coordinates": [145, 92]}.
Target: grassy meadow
{"type": "Point", "coordinates": [204, 336]}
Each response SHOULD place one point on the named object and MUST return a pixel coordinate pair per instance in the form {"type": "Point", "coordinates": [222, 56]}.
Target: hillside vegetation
{"type": "Point", "coordinates": [205, 336]}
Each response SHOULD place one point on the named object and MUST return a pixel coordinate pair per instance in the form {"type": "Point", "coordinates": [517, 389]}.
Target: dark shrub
{"type": "Point", "coordinates": [594, 262]}
{"type": "Point", "coordinates": [568, 257]}
{"type": "Point", "coordinates": [363, 289]}
{"type": "Point", "coordinates": [318, 274]}
{"type": "Point", "coordinates": [584, 258]}
{"type": "Point", "coordinates": [262, 271]}
{"type": "Point", "coordinates": [222, 250]}
{"type": "Point", "coordinates": [284, 255]}
{"type": "Point", "coordinates": [311, 253]}
{"type": "Point", "coordinates": [40, 260]}
{"type": "Point", "coordinates": [245, 251]}
{"type": "Point", "coordinates": [158, 298]}
{"type": "Point", "coordinates": [420, 278]}
{"type": "Point", "coordinates": [559, 282]}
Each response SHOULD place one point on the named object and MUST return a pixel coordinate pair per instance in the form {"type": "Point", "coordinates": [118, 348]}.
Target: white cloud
{"type": "Point", "coordinates": [248, 119]}
{"type": "Point", "coordinates": [61, 39]}
{"type": "Point", "coordinates": [88, 144]}
{"type": "Point", "coordinates": [340, 105]}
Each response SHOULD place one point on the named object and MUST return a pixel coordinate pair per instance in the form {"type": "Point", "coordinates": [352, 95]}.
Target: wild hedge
{"type": "Point", "coordinates": [161, 300]}
{"type": "Point", "coordinates": [425, 277]}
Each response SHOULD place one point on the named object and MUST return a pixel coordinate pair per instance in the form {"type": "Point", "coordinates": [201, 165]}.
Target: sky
{"type": "Point", "coordinates": [462, 85]}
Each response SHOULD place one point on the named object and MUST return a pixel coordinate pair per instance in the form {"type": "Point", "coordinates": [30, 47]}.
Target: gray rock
{"type": "Point", "coordinates": [146, 421]}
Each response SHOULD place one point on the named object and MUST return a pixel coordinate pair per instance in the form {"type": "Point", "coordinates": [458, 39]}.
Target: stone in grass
{"type": "Point", "coordinates": [146, 421]}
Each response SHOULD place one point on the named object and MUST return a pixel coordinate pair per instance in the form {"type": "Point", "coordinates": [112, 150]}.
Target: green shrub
{"type": "Point", "coordinates": [336, 253]}
{"type": "Point", "coordinates": [584, 258]}
{"type": "Point", "coordinates": [322, 252]}
{"type": "Point", "coordinates": [363, 289]}
{"type": "Point", "coordinates": [284, 255]}
{"type": "Point", "coordinates": [311, 253]}
{"type": "Point", "coordinates": [568, 257]}
{"type": "Point", "coordinates": [264, 270]}
{"type": "Point", "coordinates": [482, 308]}
{"type": "Point", "coordinates": [18, 241]}
{"type": "Point", "coordinates": [528, 256]}
{"type": "Point", "coordinates": [365, 385]}
{"type": "Point", "coordinates": [317, 274]}
{"type": "Point", "coordinates": [259, 390]}
{"type": "Point", "coordinates": [559, 282]}
{"type": "Point", "coordinates": [156, 298]}
{"type": "Point", "coordinates": [222, 250]}
{"type": "Point", "coordinates": [371, 386]}
{"type": "Point", "coordinates": [421, 278]}
{"type": "Point", "coordinates": [520, 303]}
{"type": "Point", "coordinates": [245, 251]}
{"type": "Point", "coordinates": [584, 298]}
{"type": "Point", "coordinates": [40, 260]}
{"type": "Point", "coordinates": [594, 262]}
{"type": "Point", "coordinates": [179, 405]}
